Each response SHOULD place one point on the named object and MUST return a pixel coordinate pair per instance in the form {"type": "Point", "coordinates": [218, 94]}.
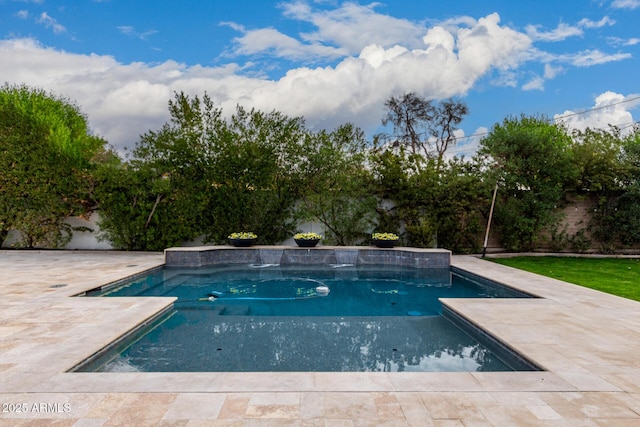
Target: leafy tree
{"type": "Point", "coordinates": [532, 160]}
{"type": "Point", "coordinates": [337, 184]}
{"type": "Point", "coordinates": [46, 153]}
{"type": "Point", "coordinates": [391, 175]}
{"type": "Point", "coordinates": [204, 175]}
{"type": "Point", "coordinates": [461, 206]}
{"type": "Point", "coordinates": [625, 217]}
{"type": "Point", "coordinates": [437, 205]}
{"type": "Point", "coordinates": [421, 126]}
{"type": "Point", "coordinates": [631, 156]}
{"type": "Point", "coordinates": [134, 214]}
{"type": "Point", "coordinates": [597, 154]}
{"type": "Point", "coordinates": [602, 177]}
{"type": "Point", "coordinates": [255, 176]}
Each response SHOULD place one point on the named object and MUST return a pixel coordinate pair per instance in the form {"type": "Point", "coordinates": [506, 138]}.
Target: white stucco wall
{"type": "Point", "coordinates": [87, 240]}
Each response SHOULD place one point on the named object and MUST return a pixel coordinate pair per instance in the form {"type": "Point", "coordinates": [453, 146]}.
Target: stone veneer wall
{"type": "Point", "coordinates": [212, 255]}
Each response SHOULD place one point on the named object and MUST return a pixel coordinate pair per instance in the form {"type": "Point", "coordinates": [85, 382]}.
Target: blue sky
{"type": "Point", "coordinates": [329, 61]}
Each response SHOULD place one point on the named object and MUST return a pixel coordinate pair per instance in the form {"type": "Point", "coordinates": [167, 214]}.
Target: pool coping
{"type": "Point", "coordinates": [573, 360]}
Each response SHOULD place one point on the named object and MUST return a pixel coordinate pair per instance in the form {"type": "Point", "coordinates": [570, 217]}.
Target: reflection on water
{"type": "Point", "coordinates": [303, 318]}
{"type": "Point", "coordinates": [200, 341]}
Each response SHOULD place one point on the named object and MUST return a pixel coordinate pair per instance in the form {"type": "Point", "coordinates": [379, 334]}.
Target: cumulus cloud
{"type": "Point", "coordinates": [610, 109]}
{"type": "Point", "coordinates": [277, 44]}
{"type": "Point", "coordinates": [374, 56]}
{"type": "Point", "coordinates": [124, 100]}
{"type": "Point", "coordinates": [340, 32]}
{"type": "Point", "coordinates": [354, 26]}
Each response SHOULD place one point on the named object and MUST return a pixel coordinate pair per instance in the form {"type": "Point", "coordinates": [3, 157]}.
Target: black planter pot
{"type": "Point", "coordinates": [307, 243]}
{"type": "Point", "coordinates": [384, 243]}
{"type": "Point", "coordinates": [242, 243]}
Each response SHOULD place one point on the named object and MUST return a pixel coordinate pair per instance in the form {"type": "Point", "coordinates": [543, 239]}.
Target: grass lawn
{"type": "Point", "coordinates": [618, 276]}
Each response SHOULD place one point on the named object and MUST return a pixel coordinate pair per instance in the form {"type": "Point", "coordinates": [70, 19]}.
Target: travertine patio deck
{"type": "Point", "coordinates": [588, 342]}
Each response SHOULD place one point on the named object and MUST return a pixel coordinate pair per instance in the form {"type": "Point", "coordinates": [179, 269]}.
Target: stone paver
{"type": "Point", "coordinates": [587, 341]}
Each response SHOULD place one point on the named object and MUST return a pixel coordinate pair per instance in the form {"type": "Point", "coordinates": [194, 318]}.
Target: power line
{"type": "Point", "coordinates": [623, 126]}
{"type": "Point", "coordinates": [597, 108]}
{"type": "Point", "coordinates": [620, 127]}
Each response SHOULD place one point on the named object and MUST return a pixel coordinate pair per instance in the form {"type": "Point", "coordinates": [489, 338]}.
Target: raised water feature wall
{"type": "Point", "coordinates": [287, 255]}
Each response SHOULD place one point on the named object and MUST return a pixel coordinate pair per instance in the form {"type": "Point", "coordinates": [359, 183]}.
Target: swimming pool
{"type": "Point", "coordinates": [339, 317]}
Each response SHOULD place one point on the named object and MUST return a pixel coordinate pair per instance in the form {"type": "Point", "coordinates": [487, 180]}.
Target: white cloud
{"type": "Point", "coordinates": [551, 72]}
{"type": "Point", "coordinates": [610, 109]}
{"type": "Point", "coordinates": [562, 32]}
{"type": "Point", "coordinates": [277, 44]}
{"type": "Point", "coordinates": [340, 32]}
{"type": "Point", "coordinates": [375, 56]}
{"type": "Point", "coordinates": [537, 83]}
{"type": "Point", "coordinates": [22, 14]}
{"type": "Point", "coordinates": [617, 41]}
{"type": "Point", "coordinates": [625, 4]}
{"type": "Point", "coordinates": [124, 100]}
{"type": "Point", "coordinates": [587, 23]}
{"type": "Point", "coordinates": [50, 22]}
{"type": "Point", "coordinates": [353, 26]}
{"type": "Point", "coordinates": [131, 31]}
{"type": "Point", "coordinates": [589, 58]}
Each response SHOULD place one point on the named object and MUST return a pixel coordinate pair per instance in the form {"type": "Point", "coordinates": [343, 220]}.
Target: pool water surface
{"type": "Point", "coordinates": [253, 318]}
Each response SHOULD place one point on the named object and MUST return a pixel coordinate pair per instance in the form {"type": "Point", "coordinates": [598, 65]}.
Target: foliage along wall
{"type": "Point", "coordinates": [203, 176]}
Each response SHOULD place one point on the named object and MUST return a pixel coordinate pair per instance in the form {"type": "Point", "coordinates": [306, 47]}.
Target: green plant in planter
{"type": "Point", "coordinates": [384, 236]}
{"type": "Point", "coordinates": [307, 240]}
{"type": "Point", "coordinates": [307, 236]}
{"type": "Point", "coordinates": [384, 240]}
{"type": "Point", "coordinates": [243, 235]}
{"type": "Point", "coordinates": [243, 239]}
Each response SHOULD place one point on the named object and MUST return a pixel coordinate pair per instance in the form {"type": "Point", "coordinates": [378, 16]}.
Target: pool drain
{"type": "Point", "coordinates": [59, 285]}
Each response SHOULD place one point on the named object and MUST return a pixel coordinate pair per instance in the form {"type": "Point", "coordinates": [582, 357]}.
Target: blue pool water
{"type": "Point", "coordinates": [305, 318]}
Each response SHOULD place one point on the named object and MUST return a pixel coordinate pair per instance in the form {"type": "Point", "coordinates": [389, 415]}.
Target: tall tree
{"type": "Point", "coordinates": [336, 184]}
{"type": "Point", "coordinates": [206, 175]}
{"type": "Point", "coordinates": [603, 175]}
{"type": "Point", "coordinates": [532, 160]}
{"type": "Point", "coordinates": [625, 215]}
{"type": "Point", "coordinates": [46, 153]}
{"type": "Point", "coordinates": [421, 126]}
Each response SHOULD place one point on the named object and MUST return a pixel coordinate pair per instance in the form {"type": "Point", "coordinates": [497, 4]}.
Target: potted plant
{"type": "Point", "coordinates": [384, 240]}
{"type": "Point", "coordinates": [307, 240]}
{"type": "Point", "coordinates": [243, 239]}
